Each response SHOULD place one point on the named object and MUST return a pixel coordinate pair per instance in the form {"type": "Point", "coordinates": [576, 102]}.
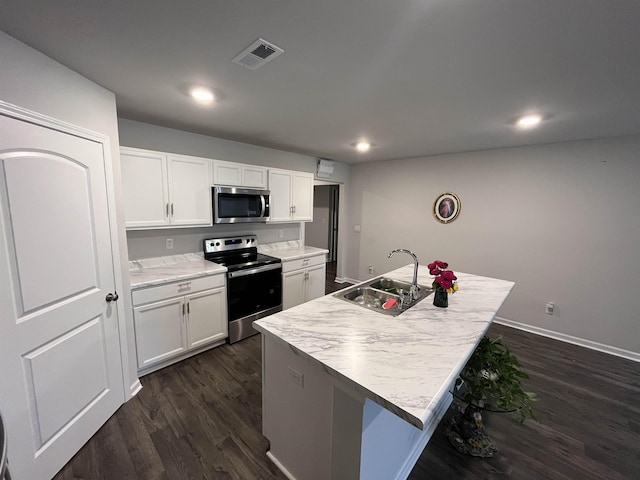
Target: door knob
{"type": "Point", "coordinates": [112, 297]}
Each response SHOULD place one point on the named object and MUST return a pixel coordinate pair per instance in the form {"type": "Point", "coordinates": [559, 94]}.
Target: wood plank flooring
{"type": "Point", "coordinates": [201, 419]}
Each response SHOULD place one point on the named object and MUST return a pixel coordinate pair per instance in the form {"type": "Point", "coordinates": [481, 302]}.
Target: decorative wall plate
{"type": "Point", "coordinates": [446, 207]}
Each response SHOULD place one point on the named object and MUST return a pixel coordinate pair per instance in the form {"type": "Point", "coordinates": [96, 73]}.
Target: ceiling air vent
{"type": "Point", "coordinates": [257, 54]}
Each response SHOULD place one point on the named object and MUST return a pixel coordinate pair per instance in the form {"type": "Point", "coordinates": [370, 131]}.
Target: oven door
{"type": "Point", "coordinates": [240, 205]}
{"type": "Point", "coordinates": [252, 294]}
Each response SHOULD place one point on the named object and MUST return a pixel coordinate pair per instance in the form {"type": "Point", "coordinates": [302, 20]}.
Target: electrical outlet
{"type": "Point", "coordinates": [296, 377]}
{"type": "Point", "coordinates": [169, 243]}
{"type": "Point", "coordinates": [370, 268]}
{"type": "Point", "coordinates": [281, 233]}
{"type": "Point", "coordinates": [356, 228]}
{"type": "Point", "coordinates": [550, 307]}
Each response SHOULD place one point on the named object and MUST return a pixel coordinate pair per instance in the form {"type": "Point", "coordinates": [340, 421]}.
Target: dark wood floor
{"type": "Point", "coordinates": [201, 419]}
{"type": "Point", "coordinates": [330, 285]}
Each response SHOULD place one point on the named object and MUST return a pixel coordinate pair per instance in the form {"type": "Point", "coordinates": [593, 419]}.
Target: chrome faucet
{"type": "Point", "coordinates": [413, 292]}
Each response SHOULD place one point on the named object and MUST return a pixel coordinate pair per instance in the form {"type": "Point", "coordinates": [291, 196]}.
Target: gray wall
{"type": "Point", "coordinates": [33, 81]}
{"type": "Point", "coordinates": [317, 232]}
{"type": "Point", "coordinates": [153, 137]}
{"type": "Point", "coordinates": [152, 243]}
{"type": "Point", "coordinates": [561, 220]}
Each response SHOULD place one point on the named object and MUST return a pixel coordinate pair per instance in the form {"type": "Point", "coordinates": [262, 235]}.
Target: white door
{"type": "Point", "coordinates": [160, 331]}
{"type": "Point", "coordinates": [207, 316]}
{"type": "Point", "coordinates": [189, 190]}
{"type": "Point", "coordinates": [145, 188]}
{"type": "Point", "coordinates": [302, 196]}
{"type": "Point", "coordinates": [59, 346]}
{"type": "Point", "coordinates": [280, 188]}
{"type": "Point", "coordinates": [315, 283]}
{"type": "Point", "coordinates": [293, 288]}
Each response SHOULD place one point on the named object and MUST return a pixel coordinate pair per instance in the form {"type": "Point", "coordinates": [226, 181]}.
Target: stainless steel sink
{"type": "Point", "coordinates": [375, 293]}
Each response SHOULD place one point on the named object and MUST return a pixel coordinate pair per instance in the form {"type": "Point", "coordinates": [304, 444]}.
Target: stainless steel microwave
{"type": "Point", "coordinates": [240, 205]}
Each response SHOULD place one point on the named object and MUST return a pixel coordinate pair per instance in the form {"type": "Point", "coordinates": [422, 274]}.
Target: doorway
{"type": "Point", "coordinates": [323, 231]}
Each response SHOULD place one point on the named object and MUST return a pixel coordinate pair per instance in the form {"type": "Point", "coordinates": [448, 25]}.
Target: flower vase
{"type": "Point", "coordinates": [441, 299]}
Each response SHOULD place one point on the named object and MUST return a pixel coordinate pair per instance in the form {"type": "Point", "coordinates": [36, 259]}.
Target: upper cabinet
{"type": "Point", "coordinates": [239, 175]}
{"type": "Point", "coordinates": [163, 190]}
{"type": "Point", "coordinates": [291, 196]}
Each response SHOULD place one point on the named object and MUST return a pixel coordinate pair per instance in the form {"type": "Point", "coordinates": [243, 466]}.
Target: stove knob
{"type": "Point", "coordinates": [217, 244]}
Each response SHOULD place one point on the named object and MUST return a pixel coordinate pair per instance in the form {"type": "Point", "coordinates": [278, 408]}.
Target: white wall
{"type": "Point", "coordinates": [561, 220]}
{"type": "Point", "coordinates": [317, 232]}
{"type": "Point", "coordinates": [33, 81]}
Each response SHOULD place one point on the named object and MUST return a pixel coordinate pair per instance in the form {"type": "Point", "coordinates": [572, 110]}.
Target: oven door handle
{"type": "Point", "coordinates": [251, 271]}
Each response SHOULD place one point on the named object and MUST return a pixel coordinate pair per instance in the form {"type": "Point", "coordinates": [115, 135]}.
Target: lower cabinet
{"type": "Point", "coordinates": [169, 329]}
{"type": "Point", "coordinates": [303, 280]}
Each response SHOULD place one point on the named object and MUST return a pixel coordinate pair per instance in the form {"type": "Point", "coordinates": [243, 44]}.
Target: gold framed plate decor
{"type": "Point", "coordinates": [446, 207]}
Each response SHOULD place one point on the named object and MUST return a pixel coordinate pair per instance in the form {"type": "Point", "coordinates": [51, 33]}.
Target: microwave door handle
{"type": "Point", "coordinates": [264, 205]}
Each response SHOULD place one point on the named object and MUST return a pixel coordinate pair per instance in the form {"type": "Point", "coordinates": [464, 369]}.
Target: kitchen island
{"type": "Point", "coordinates": [351, 393]}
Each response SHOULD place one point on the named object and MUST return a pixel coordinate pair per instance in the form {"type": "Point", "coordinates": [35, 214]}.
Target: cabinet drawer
{"type": "Point", "coordinates": [174, 289]}
{"type": "Point", "coordinates": [289, 266]}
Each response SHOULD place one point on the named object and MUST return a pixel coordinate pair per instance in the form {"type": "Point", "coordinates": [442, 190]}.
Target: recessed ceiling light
{"type": "Point", "coordinates": [363, 146]}
{"type": "Point", "coordinates": [202, 95]}
{"type": "Point", "coordinates": [529, 121]}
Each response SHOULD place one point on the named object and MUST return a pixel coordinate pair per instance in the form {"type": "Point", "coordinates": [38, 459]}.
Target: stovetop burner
{"type": "Point", "coordinates": [236, 253]}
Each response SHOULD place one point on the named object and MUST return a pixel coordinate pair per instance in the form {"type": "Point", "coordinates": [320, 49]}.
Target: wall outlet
{"type": "Point", "coordinates": [370, 268]}
{"type": "Point", "coordinates": [296, 377]}
{"type": "Point", "coordinates": [281, 233]}
{"type": "Point", "coordinates": [356, 228]}
{"type": "Point", "coordinates": [169, 243]}
{"type": "Point", "coordinates": [549, 308]}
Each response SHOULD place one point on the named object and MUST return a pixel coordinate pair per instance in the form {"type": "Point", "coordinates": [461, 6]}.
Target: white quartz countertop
{"type": "Point", "coordinates": [157, 271]}
{"type": "Point", "coordinates": [405, 363]}
{"type": "Point", "coordinates": [288, 251]}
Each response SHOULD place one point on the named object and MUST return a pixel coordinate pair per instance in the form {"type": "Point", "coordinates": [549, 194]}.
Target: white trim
{"type": "Point", "coordinates": [563, 337]}
{"type": "Point", "coordinates": [282, 468]}
{"type": "Point", "coordinates": [135, 388]}
{"type": "Point", "coordinates": [346, 279]}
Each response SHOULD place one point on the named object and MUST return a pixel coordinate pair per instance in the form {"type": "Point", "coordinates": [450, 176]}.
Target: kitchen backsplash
{"type": "Point", "coordinates": [153, 243]}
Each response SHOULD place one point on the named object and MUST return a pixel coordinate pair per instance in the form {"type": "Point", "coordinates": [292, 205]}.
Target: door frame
{"type": "Point", "coordinates": [131, 386]}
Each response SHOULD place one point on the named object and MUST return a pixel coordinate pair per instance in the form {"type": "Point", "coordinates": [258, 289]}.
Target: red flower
{"type": "Point", "coordinates": [434, 271]}
{"type": "Point", "coordinates": [445, 284]}
{"type": "Point", "coordinates": [449, 275]}
{"type": "Point", "coordinates": [438, 279]}
{"type": "Point", "coordinates": [432, 267]}
{"type": "Point", "coordinates": [440, 264]}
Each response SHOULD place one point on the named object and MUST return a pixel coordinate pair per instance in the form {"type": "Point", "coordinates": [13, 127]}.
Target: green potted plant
{"type": "Point", "coordinates": [490, 381]}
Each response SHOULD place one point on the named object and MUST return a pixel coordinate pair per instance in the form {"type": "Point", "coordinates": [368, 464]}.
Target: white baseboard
{"type": "Point", "coordinates": [282, 468]}
{"type": "Point", "coordinates": [134, 388]}
{"type": "Point", "coordinates": [618, 352]}
{"type": "Point", "coordinates": [346, 279]}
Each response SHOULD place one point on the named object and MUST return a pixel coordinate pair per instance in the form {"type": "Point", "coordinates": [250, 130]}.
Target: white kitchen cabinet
{"type": "Point", "coordinates": [291, 196]}
{"type": "Point", "coordinates": [193, 319]}
{"type": "Point", "coordinates": [163, 190]}
{"type": "Point", "coordinates": [303, 280]}
{"type": "Point", "coordinates": [239, 175]}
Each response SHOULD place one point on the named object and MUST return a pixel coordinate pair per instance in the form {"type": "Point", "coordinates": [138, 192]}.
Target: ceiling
{"type": "Point", "coordinates": [415, 77]}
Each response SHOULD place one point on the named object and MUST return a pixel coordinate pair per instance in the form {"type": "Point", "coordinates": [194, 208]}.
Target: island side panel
{"type": "Point", "coordinates": [296, 413]}
{"type": "Point", "coordinates": [314, 427]}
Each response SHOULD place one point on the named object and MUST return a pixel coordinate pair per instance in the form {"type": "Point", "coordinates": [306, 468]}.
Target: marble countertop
{"type": "Point", "coordinates": [157, 271]}
{"type": "Point", "coordinates": [288, 251]}
{"type": "Point", "coordinates": [404, 363]}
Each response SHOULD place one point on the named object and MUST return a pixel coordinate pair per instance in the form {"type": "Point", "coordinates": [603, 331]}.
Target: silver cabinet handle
{"type": "Point", "coordinates": [172, 209]}
{"type": "Point", "coordinates": [167, 210]}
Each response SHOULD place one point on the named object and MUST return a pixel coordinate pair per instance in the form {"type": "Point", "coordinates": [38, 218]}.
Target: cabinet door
{"type": "Point", "coordinates": [254, 177]}
{"type": "Point", "coordinates": [189, 190]}
{"type": "Point", "coordinates": [315, 282]}
{"type": "Point", "coordinates": [293, 292]}
{"type": "Point", "coordinates": [207, 317]}
{"type": "Point", "coordinates": [280, 187]}
{"type": "Point", "coordinates": [160, 331]}
{"type": "Point", "coordinates": [302, 197]}
{"type": "Point", "coordinates": [145, 188]}
{"type": "Point", "coordinates": [225, 173]}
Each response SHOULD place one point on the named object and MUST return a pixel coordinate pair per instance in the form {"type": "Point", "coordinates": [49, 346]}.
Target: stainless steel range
{"type": "Point", "coordinates": [254, 281]}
